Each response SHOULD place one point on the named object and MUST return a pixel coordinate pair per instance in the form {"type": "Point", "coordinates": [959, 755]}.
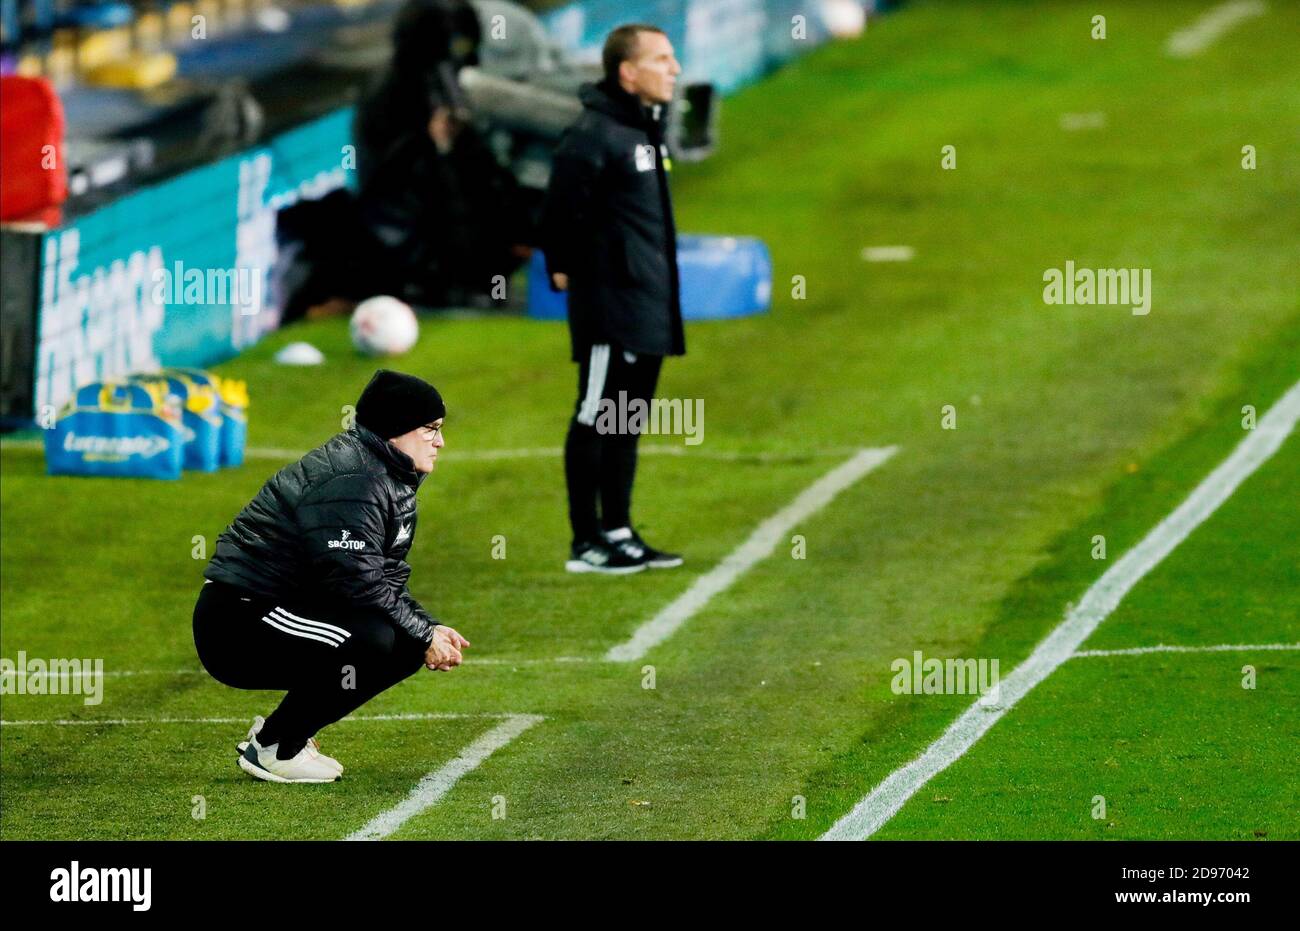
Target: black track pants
{"type": "Point", "coordinates": [599, 463]}
{"type": "Point", "coordinates": [329, 662]}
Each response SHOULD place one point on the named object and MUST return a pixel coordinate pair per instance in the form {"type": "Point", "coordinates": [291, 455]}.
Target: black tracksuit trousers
{"type": "Point", "coordinates": [329, 662]}
{"type": "Point", "coordinates": [600, 464]}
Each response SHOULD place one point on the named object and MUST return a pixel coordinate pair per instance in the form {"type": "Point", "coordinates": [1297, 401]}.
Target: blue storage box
{"type": "Point", "coordinates": [115, 429]}
{"type": "Point", "coordinates": [721, 277]}
{"type": "Point", "coordinates": [201, 418]}
{"type": "Point", "coordinates": [234, 421]}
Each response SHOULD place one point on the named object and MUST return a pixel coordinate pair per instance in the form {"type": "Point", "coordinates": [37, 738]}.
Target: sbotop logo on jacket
{"type": "Point", "coordinates": [343, 543]}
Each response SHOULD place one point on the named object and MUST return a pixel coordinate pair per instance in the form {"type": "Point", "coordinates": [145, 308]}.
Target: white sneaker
{"type": "Point", "coordinates": [313, 748]}
{"type": "Point", "coordinates": [312, 744]}
{"type": "Point", "coordinates": [261, 762]}
{"type": "Point", "coordinates": [253, 731]}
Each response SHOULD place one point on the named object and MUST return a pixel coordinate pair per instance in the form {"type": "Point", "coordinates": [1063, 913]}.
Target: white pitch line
{"type": "Point", "coordinates": [1074, 122]}
{"type": "Point", "coordinates": [1162, 648]}
{"type": "Point", "coordinates": [481, 455]}
{"type": "Point", "coordinates": [1210, 25]}
{"type": "Point", "coordinates": [528, 661]}
{"type": "Point", "coordinates": [469, 662]}
{"type": "Point", "coordinates": [884, 801]}
{"type": "Point", "coordinates": [106, 674]}
{"type": "Point", "coordinates": [540, 452]}
{"type": "Point", "coordinates": [135, 722]}
{"type": "Point", "coordinates": [429, 790]}
{"type": "Point", "coordinates": [571, 660]}
{"type": "Point", "coordinates": [888, 253]}
{"type": "Point", "coordinates": [759, 545]}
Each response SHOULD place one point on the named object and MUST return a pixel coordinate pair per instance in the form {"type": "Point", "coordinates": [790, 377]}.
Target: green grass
{"type": "Point", "coordinates": [1072, 421]}
{"type": "Point", "coordinates": [180, 794]}
{"type": "Point", "coordinates": [1173, 741]}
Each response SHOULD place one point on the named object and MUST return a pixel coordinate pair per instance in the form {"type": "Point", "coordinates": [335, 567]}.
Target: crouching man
{"type": "Point", "coordinates": [307, 593]}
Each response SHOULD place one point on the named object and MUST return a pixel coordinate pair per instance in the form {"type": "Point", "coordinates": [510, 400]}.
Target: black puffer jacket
{"type": "Point", "coordinates": [333, 527]}
{"type": "Point", "coordinates": [608, 225]}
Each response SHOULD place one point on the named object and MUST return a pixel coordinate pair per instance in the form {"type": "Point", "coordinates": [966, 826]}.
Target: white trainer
{"type": "Point", "coordinates": [307, 766]}
{"type": "Point", "coordinates": [312, 744]}
{"type": "Point", "coordinates": [253, 731]}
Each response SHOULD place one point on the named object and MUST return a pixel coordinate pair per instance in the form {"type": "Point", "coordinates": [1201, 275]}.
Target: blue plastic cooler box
{"type": "Point", "coordinates": [115, 430]}
{"type": "Point", "coordinates": [721, 277]}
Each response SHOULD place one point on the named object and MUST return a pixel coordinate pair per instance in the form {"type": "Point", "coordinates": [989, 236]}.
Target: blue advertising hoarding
{"type": "Point", "coordinates": [178, 273]}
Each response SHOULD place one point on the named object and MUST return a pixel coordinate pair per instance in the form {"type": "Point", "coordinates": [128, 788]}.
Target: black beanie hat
{"type": "Point", "coordinates": [394, 403]}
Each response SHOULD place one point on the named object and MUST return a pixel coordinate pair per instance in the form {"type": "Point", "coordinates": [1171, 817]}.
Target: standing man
{"type": "Point", "coordinates": [307, 592]}
{"type": "Point", "coordinates": [610, 242]}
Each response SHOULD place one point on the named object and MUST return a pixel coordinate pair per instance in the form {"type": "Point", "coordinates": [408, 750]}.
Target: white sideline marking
{"type": "Point", "coordinates": [884, 801]}
{"type": "Point", "coordinates": [566, 660]}
{"type": "Point", "coordinates": [1217, 648]}
{"type": "Point", "coordinates": [528, 661]}
{"type": "Point", "coordinates": [759, 545]}
{"type": "Point", "coordinates": [1210, 25]}
{"type": "Point", "coordinates": [470, 661]}
{"type": "Point", "coordinates": [439, 782]}
{"type": "Point", "coordinates": [130, 722]}
{"type": "Point", "coordinates": [888, 253]}
{"type": "Point", "coordinates": [110, 673]}
{"type": "Point", "coordinates": [540, 452]}
{"type": "Point", "coordinates": [1073, 122]}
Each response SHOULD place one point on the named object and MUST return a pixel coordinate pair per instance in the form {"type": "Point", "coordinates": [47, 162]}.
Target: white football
{"type": "Point", "coordinates": [844, 19]}
{"type": "Point", "coordinates": [384, 326]}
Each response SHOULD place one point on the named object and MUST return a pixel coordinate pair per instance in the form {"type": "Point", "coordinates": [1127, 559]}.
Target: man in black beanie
{"type": "Point", "coordinates": [307, 589]}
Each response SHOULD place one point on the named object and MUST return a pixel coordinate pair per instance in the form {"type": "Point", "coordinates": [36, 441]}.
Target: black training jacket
{"type": "Point", "coordinates": [608, 224]}
{"type": "Point", "coordinates": [332, 529]}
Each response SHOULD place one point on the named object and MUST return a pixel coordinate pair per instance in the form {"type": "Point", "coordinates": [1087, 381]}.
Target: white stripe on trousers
{"type": "Point", "coordinates": [294, 625]}
{"type": "Point", "coordinates": [278, 625]}
{"type": "Point", "coordinates": [308, 623]}
{"type": "Point", "coordinates": [597, 369]}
